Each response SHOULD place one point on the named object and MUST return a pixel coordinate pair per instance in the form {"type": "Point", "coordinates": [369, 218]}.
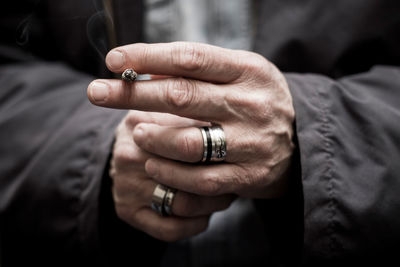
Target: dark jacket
{"type": "Point", "coordinates": [341, 59]}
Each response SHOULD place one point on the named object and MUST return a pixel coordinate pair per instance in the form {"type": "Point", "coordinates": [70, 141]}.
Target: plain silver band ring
{"type": "Point", "coordinates": [157, 200]}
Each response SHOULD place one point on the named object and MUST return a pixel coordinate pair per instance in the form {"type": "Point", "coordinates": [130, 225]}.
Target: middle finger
{"type": "Point", "coordinates": [180, 96]}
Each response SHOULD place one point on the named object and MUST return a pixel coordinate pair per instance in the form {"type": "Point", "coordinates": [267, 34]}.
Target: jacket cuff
{"type": "Point", "coordinates": [314, 134]}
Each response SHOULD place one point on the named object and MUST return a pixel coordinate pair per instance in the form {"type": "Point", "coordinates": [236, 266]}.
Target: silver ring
{"type": "Point", "coordinates": [129, 75]}
{"type": "Point", "coordinates": [205, 144]}
{"type": "Point", "coordinates": [157, 200]}
{"type": "Point", "coordinates": [214, 144]}
{"type": "Point", "coordinates": [218, 143]}
{"type": "Point", "coordinates": [169, 198]}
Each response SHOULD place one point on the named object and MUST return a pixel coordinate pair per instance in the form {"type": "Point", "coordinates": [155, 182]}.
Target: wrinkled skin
{"type": "Point", "coordinates": [239, 90]}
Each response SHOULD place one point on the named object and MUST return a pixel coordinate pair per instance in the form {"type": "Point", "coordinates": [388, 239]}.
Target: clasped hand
{"type": "Point", "coordinates": [200, 84]}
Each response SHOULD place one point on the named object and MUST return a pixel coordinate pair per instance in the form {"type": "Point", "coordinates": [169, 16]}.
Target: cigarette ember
{"type": "Point", "coordinates": [129, 75]}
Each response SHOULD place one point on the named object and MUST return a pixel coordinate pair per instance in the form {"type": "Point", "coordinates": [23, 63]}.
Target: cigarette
{"type": "Point", "coordinates": [129, 75]}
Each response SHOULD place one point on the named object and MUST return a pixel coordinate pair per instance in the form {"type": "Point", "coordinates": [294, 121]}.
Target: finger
{"type": "Point", "coordinates": [184, 144]}
{"type": "Point", "coordinates": [255, 180]}
{"type": "Point", "coordinates": [135, 117]}
{"type": "Point", "coordinates": [165, 228]}
{"type": "Point", "coordinates": [183, 97]}
{"type": "Point", "coordinates": [180, 59]}
{"type": "Point", "coordinates": [192, 205]}
{"type": "Point", "coordinates": [126, 153]}
{"type": "Point", "coordinates": [169, 228]}
{"type": "Point", "coordinates": [137, 189]}
{"type": "Point", "coordinates": [205, 180]}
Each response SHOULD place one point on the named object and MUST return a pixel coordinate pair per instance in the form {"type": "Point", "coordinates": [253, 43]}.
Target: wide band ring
{"type": "Point", "coordinates": [169, 198]}
{"type": "Point", "coordinates": [161, 201]}
{"type": "Point", "coordinates": [214, 144]}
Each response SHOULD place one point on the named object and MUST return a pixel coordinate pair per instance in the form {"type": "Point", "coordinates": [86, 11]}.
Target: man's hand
{"type": "Point", "coordinates": [241, 91]}
{"type": "Point", "coordinates": [133, 188]}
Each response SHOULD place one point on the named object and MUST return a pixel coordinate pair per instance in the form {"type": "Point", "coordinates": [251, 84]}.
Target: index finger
{"type": "Point", "coordinates": [181, 59]}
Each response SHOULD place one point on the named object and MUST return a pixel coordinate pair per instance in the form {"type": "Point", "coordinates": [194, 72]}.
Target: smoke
{"type": "Point", "coordinates": [23, 29]}
{"type": "Point", "coordinates": [99, 28]}
{"type": "Point", "coordinates": [96, 30]}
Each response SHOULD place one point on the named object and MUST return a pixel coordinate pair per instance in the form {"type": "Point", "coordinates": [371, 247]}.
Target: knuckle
{"type": "Point", "coordinates": [146, 140]}
{"type": "Point", "coordinates": [257, 62]}
{"type": "Point", "coordinates": [210, 184]}
{"type": "Point", "coordinates": [112, 171]}
{"type": "Point", "coordinates": [263, 176]}
{"type": "Point", "coordinates": [132, 119]}
{"type": "Point", "coordinates": [240, 177]}
{"type": "Point", "coordinates": [248, 178]}
{"type": "Point", "coordinates": [180, 92]}
{"type": "Point", "coordinates": [256, 178]}
{"type": "Point", "coordinates": [261, 106]}
{"type": "Point", "coordinates": [124, 153]}
{"type": "Point", "coordinates": [256, 106]}
{"type": "Point", "coordinates": [254, 64]}
{"type": "Point", "coordinates": [189, 57]}
{"type": "Point", "coordinates": [238, 100]}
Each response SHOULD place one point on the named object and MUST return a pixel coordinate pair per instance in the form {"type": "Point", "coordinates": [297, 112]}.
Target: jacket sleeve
{"type": "Point", "coordinates": [54, 146]}
{"type": "Point", "coordinates": [348, 132]}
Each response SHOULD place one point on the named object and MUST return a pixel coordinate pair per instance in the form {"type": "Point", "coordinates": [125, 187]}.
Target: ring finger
{"type": "Point", "coordinates": [188, 144]}
{"type": "Point", "coordinates": [185, 204]}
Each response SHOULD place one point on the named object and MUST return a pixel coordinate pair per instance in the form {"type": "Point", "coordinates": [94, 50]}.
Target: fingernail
{"type": "Point", "coordinates": [99, 91]}
{"type": "Point", "coordinates": [115, 59]}
{"type": "Point", "coordinates": [152, 168]}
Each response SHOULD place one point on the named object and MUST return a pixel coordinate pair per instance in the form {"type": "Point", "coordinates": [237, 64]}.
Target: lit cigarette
{"type": "Point", "coordinates": [129, 75]}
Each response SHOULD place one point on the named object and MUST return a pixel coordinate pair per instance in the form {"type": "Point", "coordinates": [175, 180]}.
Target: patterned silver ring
{"type": "Point", "coordinates": [214, 144]}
